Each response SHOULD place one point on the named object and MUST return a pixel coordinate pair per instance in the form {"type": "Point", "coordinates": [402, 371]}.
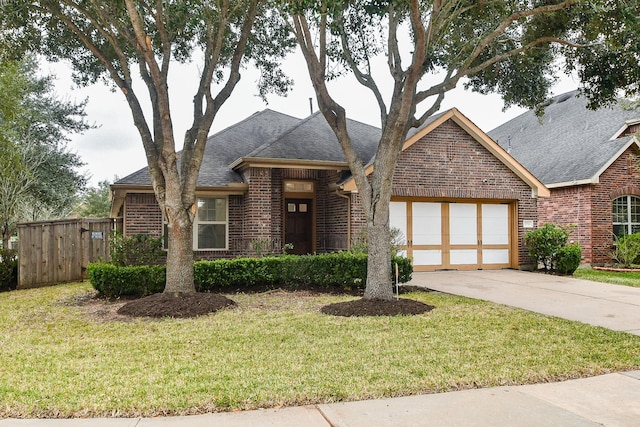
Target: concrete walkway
{"type": "Point", "coordinates": [610, 400]}
{"type": "Point", "coordinates": [614, 307]}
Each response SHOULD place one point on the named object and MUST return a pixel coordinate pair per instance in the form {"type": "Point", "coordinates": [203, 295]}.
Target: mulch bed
{"type": "Point", "coordinates": [180, 305]}
{"type": "Point", "coordinates": [184, 305]}
{"type": "Point", "coordinates": [376, 307]}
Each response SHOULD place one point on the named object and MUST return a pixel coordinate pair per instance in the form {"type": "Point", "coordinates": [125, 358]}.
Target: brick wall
{"type": "Point", "coordinates": [333, 220]}
{"type": "Point", "coordinates": [571, 206]}
{"type": "Point", "coordinates": [142, 215]}
{"type": "Point", "coordinates": [258, 207]}
{"type": "Point", "coordinates": [589, 207]}
{"type": "Point", "coordinates": [622, 178]}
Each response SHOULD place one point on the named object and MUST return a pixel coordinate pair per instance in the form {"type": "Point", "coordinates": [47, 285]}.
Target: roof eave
{"type": "Point", "coordinates": [119, 192]}
{"type": "Point", "coordinates": [266, 162]}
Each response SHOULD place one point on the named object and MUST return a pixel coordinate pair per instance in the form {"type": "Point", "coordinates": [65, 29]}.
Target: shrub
{"type": "Point", "coordinates": [117, 281]}
{"type": "Point", "coordinates": [140, 249]}
{"type": "Point", "coordinates": [568, 258]}
{"type": "Point", "coordinates": [340, 271]}
{"type": "Point", "coordinates": [8, 268]}
{"type": "Point", "coordinates": [627, 251]}
{"type": "Point", "coordinates": [544, 244]}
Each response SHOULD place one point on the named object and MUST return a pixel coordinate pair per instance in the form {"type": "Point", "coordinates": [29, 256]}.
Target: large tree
{"type": "Point", "coordinates": [116, 39]}
{"type": "Point", "coordinates": [95, 202]}
{"type": "Point", "coordinates": [39, 176]}
{"type": "Point", "coordinates": [431, 46]}
{"type": "Point", "coordinates": [611, 65]}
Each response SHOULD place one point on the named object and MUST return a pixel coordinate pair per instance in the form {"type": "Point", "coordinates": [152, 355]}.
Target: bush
{"type": "Point", "coordinates": [627, 250]}
{"type": "Point", "coordinates": [568, 258]}
{"type": "Point", "coordinates": [140, 249]}
{"type": "Point", "coordinates": [116, 281]}
{"type": "Point", "coordinates": [341, 271]}
{"type": "Point", "coordinates": [8, 269]}
{"type": "Point", "coordinates": [544, 244]}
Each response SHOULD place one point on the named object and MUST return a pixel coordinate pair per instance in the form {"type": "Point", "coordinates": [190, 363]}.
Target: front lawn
{"type": "Point", "coordinates": [65, 355]}
{"type": "Point", "coordinates": [627, 278]}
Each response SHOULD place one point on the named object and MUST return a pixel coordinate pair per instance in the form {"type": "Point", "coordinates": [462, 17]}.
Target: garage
{"type": "Point", "coordinates": [456, 235]}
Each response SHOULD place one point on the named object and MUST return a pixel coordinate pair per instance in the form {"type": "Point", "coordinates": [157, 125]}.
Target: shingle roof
{"type": "Point", "coordinates": [313, 139]}
{"type": "Point", "coordinates": [228, 145]}
{"type": "Point", "coordinates": [269, 134]}
{"type": "Point", "coordinates": [569, 143]}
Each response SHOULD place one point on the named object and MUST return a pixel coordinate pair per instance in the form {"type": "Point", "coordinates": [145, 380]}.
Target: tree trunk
{"type": "Point", "coordinates": [379, 284]}
{"type": "Point", "coordinates": [180, 256]}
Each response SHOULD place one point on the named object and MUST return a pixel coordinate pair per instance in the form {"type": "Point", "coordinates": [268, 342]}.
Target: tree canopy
{"type": "Point", "coordinates": [95, 202]}
{"type": "Point", "coordinates": [38, 174]}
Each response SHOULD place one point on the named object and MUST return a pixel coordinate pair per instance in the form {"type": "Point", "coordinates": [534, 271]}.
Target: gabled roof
{"type": "Point", "coordinates": [414, 135]}
{"type": "Point", "coordinates": [569, 144]}
{"type": "Point", "coordinates": [312, 141]}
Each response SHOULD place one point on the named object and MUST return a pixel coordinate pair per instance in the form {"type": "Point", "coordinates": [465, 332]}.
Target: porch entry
{"type": "Point", "coordinates": [298, 225]}
{"type": "Point", "coordinates": [455, 235]}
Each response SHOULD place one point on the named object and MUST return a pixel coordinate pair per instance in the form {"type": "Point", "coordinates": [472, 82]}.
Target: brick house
{"type": "Point", "coordinates": [460, 200]}
{"type": "Point", "coordinates": [588, 160]}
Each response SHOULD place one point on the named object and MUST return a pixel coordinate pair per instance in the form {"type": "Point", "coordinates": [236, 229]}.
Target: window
{"type": "Point", "coordinates": [626, 215]}
{"type": "Point", "coordinates": [210, 225]}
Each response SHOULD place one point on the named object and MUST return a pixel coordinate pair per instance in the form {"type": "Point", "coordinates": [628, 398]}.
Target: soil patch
{"type": "Point", "coordinates": [374, 307]}
{"type": "Point", "coordinates": [179, 305]}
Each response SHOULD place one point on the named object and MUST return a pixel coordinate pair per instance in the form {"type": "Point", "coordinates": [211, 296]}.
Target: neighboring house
{"type": "Point", "coordinates": [460, 200]}
{"type": "Point", "coordinates": [588, 160]}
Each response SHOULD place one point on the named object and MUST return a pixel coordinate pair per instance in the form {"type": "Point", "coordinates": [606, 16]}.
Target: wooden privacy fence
{"type": "Point", "coordinates": [52, 252]}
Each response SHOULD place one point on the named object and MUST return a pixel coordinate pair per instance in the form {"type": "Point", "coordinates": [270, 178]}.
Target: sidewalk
{"type": "Point", "coordinates": [610, 400]}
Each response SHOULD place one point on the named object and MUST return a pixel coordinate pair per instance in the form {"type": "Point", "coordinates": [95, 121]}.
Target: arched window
{"type": "Point", "coordinates": [626, 215]}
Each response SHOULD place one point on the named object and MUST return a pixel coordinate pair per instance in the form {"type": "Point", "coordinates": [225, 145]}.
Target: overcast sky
{"type": "Point", "coordinates": [115, 148]}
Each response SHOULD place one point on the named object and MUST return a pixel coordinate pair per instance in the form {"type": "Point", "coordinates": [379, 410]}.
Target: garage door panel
{"type": "Point", "coordinates": [495, 224]}
{"type": "Point", "coordinates": [495, 256]}
{"type": "Point", "coordinates": [427, 223]}
{"type": "Point", "coordinates": [463, 256]}
{"type": "Point", "coordinates": [427, 257]}
{"type": "Point", "coordinates": [398, 219]}
{"type": "Point", "coordinates": [463, 224]}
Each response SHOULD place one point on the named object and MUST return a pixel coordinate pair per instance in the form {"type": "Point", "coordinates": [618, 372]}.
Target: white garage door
{"type": "Point", "coordinates": [447, 235]}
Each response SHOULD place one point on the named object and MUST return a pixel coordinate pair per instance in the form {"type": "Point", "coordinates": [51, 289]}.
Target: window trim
{"type": "Point", "coordinates": [628, 224]}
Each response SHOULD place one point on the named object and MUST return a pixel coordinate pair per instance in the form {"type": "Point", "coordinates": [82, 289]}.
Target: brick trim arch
{"type": "Point", "coordinates": [629, 190]}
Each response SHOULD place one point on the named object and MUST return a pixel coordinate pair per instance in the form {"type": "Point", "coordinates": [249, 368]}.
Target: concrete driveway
{"type": "Point", "coordinates": [615, 307]}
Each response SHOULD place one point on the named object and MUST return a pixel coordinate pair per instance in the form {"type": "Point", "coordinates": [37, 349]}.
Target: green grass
{"type": "Point", "coordinates": [277, 349]}
{"type": "Point", "coordinates": [627, 278]}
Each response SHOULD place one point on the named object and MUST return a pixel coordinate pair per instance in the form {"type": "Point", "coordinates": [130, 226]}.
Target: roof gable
{"type": "Point", "coordinates": [569, 144]}
{"type": "Point", "coordinates": [476, 133]}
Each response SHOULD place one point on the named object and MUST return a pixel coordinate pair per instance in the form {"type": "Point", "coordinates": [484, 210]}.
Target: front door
{"type": "Point", "coordinates": [298, 225]}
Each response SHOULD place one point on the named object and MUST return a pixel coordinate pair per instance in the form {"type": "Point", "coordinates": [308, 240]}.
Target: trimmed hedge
{"type": "Point", "coordinates": [341, 270]}
{"type": "Point", "coordinates": [115, 281]}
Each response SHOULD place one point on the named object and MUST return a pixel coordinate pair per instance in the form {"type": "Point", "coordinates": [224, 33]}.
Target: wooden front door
{"type": "Point", "coordinates": [298, 225]}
